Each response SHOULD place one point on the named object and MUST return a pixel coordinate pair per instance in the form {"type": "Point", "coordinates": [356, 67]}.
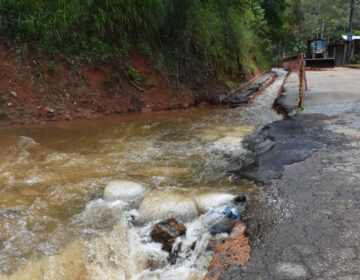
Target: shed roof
{"type": "Point", "coordinates": [354, 37]}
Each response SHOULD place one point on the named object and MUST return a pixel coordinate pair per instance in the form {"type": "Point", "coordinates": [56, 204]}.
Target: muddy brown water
{"type": "Point", "coordinates": [53, 221]}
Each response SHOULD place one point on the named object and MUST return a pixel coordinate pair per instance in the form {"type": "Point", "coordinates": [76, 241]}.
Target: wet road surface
{"type": "Point", "coordinates": [311, 227]}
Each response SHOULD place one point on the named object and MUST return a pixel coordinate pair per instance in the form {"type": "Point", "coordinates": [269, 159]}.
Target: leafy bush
{"type": "Point", "coordinates": [143, 48]}
{"type": "Point", "coordinates": [355, 59]}
{"type": "Point", "coordinates": [133, 76]}
{"type": "Point", "coordinates": [51, 67]}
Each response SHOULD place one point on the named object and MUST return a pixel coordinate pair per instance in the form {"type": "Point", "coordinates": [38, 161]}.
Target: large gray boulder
{"type": "Point", "coordinates": [164, 204]}
{"type": "Point", "coordinates": [211, 200]}
{"type": "Point", "coordinates": [127, 191]}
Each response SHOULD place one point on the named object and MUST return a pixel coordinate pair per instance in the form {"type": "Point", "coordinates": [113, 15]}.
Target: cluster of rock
{"type": "Point", "coordinates": [171, 207]}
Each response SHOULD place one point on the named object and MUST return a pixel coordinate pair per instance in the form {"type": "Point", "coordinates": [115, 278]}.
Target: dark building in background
{"type": "Point", "coordinates": [339, 48]}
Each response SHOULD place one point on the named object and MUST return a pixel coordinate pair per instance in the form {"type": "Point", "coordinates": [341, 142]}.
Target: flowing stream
{"type": "Point", "coordinates": [54, 222]}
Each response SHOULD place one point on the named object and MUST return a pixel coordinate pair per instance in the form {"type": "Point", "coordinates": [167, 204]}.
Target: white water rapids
{"type": "Point", "coordinates": [54, 222]}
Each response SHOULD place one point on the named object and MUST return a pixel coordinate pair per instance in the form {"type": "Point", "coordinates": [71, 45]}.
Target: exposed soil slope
{"type": "Point", "coordinates": [32, 92]}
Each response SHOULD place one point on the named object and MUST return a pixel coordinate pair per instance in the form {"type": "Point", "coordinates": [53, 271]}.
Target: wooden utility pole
{"type": "Point", "coordinates": [352, 2]}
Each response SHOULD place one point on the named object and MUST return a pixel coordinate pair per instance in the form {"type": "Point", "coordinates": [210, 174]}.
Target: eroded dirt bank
{"type": "Point", "coordinates": [35, 90]}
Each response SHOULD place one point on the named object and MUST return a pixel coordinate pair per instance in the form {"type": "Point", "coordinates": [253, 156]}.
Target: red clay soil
{"type": "Point", "coordinates": [234, 250]}
{"type": "Point", "coordinates": [32, 92]}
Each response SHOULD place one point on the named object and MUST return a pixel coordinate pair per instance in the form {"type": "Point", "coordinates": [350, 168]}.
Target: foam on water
{"type": "Point", "coordinates": [121, 250]}
{"type": "Point", "coordinates": [53, 177]}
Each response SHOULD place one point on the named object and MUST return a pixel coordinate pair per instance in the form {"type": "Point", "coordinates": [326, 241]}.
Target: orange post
{"type": "Point", "coordinates": [305, 80]}
{"type": "Point", "coordinates": [301, 69]}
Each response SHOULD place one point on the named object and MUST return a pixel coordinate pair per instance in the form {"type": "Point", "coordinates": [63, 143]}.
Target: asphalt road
{"type": "Point", "coordinates": [306, 224]}
{"type": "Point", "coordinates": [339, 85]}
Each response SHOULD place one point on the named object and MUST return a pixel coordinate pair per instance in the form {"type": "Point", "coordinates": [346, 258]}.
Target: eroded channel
{"type": "Point", "coordinates": [55, 223]}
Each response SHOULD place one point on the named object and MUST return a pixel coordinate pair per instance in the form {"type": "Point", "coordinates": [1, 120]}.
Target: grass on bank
{"type": "Point", "coordinates": [188, 36]}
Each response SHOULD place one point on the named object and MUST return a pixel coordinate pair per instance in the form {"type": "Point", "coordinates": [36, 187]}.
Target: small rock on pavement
{"type": "Point", "coordinates": [127, 191]}
{"type": "Point", "coordinates": [292, 270]}
{"type": "Point", "coordinates": [166, 231]}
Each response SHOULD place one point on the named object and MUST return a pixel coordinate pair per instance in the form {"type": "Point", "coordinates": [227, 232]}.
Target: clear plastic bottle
{"type": "Point", "coordinates": [221, 219]}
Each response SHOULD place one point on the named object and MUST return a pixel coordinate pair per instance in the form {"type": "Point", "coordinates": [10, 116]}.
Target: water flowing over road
{"type": "Point", "coordinates": [316, 232]}
{"type": "Point", "coordinates": [55, 223]}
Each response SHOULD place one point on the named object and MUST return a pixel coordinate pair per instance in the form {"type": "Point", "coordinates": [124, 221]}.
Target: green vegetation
{"type": "Point", "coordinates": [329, 18]}
{"type": "Point", "coordinates": [133, 76]}
{"type": "Point", "coordinates": [229, 38]}
{"type": "Point", "coordinates": [305, 18]}
{"type": "Point", "coordinates": [355, 59]}
{"type": "Point", "coordinates": [207, 36]}
{"type": "Point", "coordinates": [51, 67]}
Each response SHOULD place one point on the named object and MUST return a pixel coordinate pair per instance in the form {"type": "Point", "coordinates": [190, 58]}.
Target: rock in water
{"type": "Point", "coordinates": [211, 200]}
{"type": "Point", "coordinates": [241, 203]}
{"type": "Point", "coordinates": [165, 232]}
{"type": "Point", "coordinates": [130, 192]}
{"type": "Point", "coordinates": [165, 204]}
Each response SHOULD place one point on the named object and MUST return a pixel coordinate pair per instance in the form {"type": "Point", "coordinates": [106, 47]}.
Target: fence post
{"type": "Point", "coordinates": [301, 68]}
{"type": "Point", "coordinates": [306, 84]}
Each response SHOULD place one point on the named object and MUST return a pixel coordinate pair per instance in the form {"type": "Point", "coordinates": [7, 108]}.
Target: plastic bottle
{"type": "Point", "coordinates": [221, 219]}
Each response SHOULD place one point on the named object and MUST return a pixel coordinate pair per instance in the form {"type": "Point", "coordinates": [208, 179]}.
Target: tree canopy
{"type": "Point", "coordinates": [217, 35]}
{"type": "Point", "coordinates": [326, 18]}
